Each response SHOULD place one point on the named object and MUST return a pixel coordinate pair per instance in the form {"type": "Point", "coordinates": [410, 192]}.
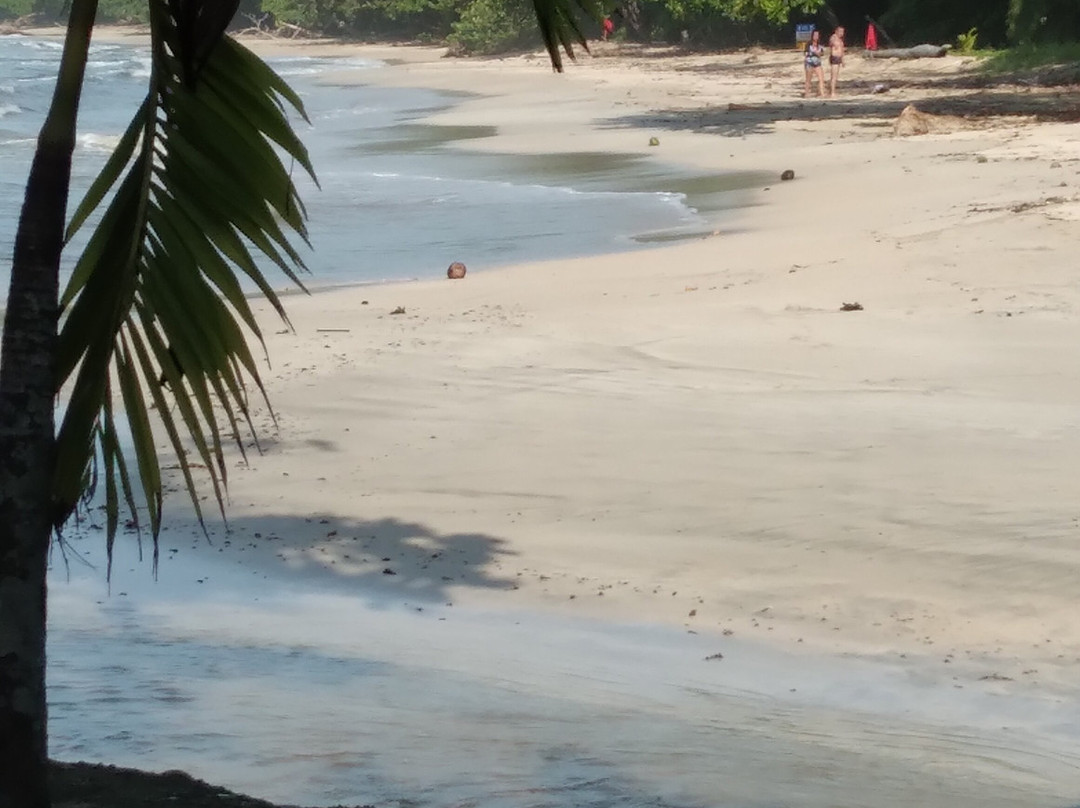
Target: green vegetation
{"type": "Point", "coordinates": [1030, 57]}
{"type": "Point", "coordinates": [966, 42]}
{"type": "Point", "coordinates": [1043, 21]}
{"type": "Point", "coordinates": [485, 26]}
{"type": "Point", "coordinates": [124, 11]}
{"type": "Point", "coordinates": [916, 21]}
{"type": "Point", "coordinates": [491, 26]}
{"type": "Point", "coordinates": [110, 10]}
{"type": "Point", "coordinates": [494, 26]}
{"type": "Point", "coordinates": [13, 9]}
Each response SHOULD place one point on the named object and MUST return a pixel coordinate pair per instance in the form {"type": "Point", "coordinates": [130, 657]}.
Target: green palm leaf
{"type": "Point", "coordinates": [560, 27]}
{"type": "Point", "coordinates": [155, 309]}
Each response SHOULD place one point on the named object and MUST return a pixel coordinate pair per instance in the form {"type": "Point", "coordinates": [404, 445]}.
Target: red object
{"type": "Point", "coordinates": [609, 26]}
{"type": "Point", "coordinates": [871, 38]}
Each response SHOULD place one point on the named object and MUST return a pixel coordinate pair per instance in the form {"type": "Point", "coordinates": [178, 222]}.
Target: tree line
{"type": "Point", "coordinates": [499, 25]}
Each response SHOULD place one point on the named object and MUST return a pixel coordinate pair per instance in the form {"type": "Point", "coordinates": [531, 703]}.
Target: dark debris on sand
{"type": "Point", "coordinates": [89, 785]}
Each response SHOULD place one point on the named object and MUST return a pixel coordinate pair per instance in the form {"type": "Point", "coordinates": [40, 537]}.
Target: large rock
{"type": "Point", "coordinates": [912, 121]}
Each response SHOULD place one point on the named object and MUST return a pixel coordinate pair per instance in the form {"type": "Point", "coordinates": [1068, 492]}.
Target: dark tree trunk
{"type": "Point", "coordinates": [27, 433]}
{"type": "Point", "coordinates": [631, 13]}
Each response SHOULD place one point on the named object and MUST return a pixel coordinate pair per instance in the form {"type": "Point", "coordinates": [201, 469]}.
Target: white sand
{"type": "Point", "coordinates": [699, 428]}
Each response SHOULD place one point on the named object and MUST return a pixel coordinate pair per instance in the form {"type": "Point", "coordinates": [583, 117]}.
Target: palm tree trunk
{"type": "Point", "coordinates": [27, 432]}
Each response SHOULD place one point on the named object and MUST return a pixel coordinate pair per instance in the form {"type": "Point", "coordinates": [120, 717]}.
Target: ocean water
{"type": "Point", "coordinates": [397, 201]}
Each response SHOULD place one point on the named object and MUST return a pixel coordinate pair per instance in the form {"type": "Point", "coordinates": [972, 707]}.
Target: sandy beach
{"type": "Point", "coordinates": [699, 436]}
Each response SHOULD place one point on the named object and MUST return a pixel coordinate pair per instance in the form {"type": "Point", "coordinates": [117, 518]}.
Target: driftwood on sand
{"type": "Point", "coordinates": [266, 24]}
{"type": "Point", "coordinates": [915, 52]}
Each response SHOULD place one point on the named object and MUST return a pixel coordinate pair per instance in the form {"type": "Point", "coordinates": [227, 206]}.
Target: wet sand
{"type": "Point", "coordinates": [330, 694]}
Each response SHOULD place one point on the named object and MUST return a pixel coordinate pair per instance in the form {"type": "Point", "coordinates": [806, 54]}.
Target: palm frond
{"type": "Point", "coordinates": [560, 25]}
{"type": "Point", "coordinates": [155, 309]}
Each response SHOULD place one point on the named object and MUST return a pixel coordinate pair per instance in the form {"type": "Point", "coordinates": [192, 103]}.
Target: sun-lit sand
{"type": "Point", "coordinates": [697, 434]}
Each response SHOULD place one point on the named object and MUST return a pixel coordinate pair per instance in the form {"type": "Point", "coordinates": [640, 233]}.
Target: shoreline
{"type": "Point", "coordinates": [642, 267]}
{"type": "Point", "coordinates": [454, 675]}
{"type": "Point", "coordinates": [590, 103]}
{"type": "Point", "coordinates": [696, 436]}
{"type": "Point", "coordinates": [651, 185]}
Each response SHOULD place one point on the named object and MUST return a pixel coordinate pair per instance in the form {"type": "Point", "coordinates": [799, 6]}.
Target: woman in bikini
{"type": "Point", "coordinates": [812, 56]}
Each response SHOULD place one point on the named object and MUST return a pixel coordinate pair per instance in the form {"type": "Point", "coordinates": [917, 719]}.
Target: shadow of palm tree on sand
{"type": "Point", "coordinates": [386, 560]}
